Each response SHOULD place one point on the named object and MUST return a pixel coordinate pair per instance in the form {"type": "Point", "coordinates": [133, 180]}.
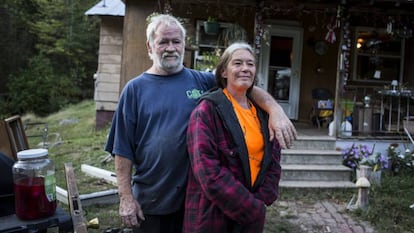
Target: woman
{"type": "Point", "coordinates": [235, 171]}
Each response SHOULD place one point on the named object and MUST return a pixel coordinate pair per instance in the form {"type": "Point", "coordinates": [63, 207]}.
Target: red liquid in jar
{"type": "Point", "coordinates": [31, 201]}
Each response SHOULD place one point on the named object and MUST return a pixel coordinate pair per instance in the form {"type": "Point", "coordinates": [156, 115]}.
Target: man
{"type": "Point", "coordinates": [149, 128]}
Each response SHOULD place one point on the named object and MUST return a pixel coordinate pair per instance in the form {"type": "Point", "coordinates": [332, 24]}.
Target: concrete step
{"type": "Point", "coordinates": [315, 172]}
{"type": "Point", "coordinates": [317, 184]}
{"type": "Point", "coordinates": [314, 142]}
{"type": "Point", "coordinates": [315, 156]}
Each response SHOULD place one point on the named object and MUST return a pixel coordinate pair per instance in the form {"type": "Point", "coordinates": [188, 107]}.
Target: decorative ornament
{"type": "Point", "coordinates": [390, 25]}
{"type": "Point", "coordinates": [259, 28]}
{"type": "Point", "coordinates": [330, 36]}
{"type": "Point", "coordinates": [321, 47]}
{"type": "Point", "coordinates": [345, 49]}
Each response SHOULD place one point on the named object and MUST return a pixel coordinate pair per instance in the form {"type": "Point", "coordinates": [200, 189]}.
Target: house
{"type": "Point", "coordinates": [360, 51]}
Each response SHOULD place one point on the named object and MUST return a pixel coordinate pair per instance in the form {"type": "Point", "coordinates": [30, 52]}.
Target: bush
{"type": "Point", "coordinates": [40, 90]}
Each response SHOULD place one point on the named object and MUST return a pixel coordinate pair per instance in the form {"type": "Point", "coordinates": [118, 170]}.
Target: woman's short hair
{"type": "Point", "coordinates": [225, 59]}
{"type": "Point", "coordinates": [163, 19]}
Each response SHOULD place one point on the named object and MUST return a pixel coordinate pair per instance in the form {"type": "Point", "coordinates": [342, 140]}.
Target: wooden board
{"type": "Point", "coordinates": [75, 206]}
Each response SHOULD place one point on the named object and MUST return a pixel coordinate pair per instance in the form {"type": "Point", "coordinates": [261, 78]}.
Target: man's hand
{"type": "Point", "coordinates": [129, 209]}
{"type": "Point", "coordinates": [282, 128]}
{"type": "Point", "coordinates": [279, 123]}
{"type": "Point", "coordinates": [130, 212]}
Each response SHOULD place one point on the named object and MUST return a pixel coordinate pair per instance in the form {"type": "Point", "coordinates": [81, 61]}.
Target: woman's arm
{"type": "Point", "coordinates": [279, 124]}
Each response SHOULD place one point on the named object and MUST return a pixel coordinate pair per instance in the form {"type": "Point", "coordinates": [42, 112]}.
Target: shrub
{"type": "Point", "coordinates": [39, 89]}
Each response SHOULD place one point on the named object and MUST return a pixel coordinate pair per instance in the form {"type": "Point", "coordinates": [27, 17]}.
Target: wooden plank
{"type": "Point", "coordinates": [17, 134]}
{"type": "Point", "coordinates": [109, 68]}
{"type": "Point", "coordinates": [106, 96]}
{"type": "Point", "coordinates": [107, 87]}
{"type": "Point", "coordinates": [99, 173]}
{"type": "Point", "coordinates": [62, 195]}
{"type": "Point", "coordinates": [112, 40]}
{"type": "Point", "coordinates": [106, 106]}
{"type": "Point", "coordinates": [109, 196]}
{"type": "Point", "coordinates": [110, 58]}
{"type": "Point", "coordinates": [75, 205]}
{"type": "Point", "coordinates": [108, 77]}
{"type": "Point", "coordinates": [110, 49]}
{"type": "Point", "coordinates": [5, 144]}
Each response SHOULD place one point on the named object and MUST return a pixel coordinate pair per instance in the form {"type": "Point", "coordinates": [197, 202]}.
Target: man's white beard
{"type": "Point", "coordinates": [167, 65]}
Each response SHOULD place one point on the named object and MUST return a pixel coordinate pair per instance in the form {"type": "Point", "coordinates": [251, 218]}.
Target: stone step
{"type": "Point", "coordinates": [315, 172]}
{"type": "Point", "coordinates": [305, 156]}
{"type": "Point", "coordinates": [311, 143]}
{"type": "Point", "coordinates": [317, 184]}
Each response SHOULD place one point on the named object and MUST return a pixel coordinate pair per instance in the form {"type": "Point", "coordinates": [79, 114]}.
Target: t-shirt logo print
{"type": "Point", "coordinates": [194, 94]}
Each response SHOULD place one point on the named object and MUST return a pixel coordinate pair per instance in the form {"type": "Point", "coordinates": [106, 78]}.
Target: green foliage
{"type": "Point", "coordinates": [209, 60]}
{"type": "Point", "coordinates": [16, 41]}
{"type": "Point", "coordinates": [211, 19]}
{"type": "Point", "coordinates": [58, 57]}
{"type": "Point", "coordinates": [400, 160]}
{"type": "Point", "coordinates": [389, 204]}
{"type": "Point", "coordinates": [39, 89]}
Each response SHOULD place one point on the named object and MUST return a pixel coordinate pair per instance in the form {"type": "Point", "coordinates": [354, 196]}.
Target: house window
{"type": "Point", "coordinates": [378, 56]}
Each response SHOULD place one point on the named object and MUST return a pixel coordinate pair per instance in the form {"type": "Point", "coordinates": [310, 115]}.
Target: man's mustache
{"type": "Point", "coordinates": [170, 54]}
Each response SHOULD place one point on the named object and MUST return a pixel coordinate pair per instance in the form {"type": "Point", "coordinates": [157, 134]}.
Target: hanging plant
{"type": "Point", "coordinates": [211, 26]}
{"type": "Point", "coordinates": [232, 34]}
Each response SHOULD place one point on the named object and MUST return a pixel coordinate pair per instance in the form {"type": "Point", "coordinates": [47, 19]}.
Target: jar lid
{"type": "Point", "coordinates": [32, 153]}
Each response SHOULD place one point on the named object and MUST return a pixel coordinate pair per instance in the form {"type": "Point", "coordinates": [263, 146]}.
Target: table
{"type": "Point", "coordinates": [61, 220]}
{"type": "Point", "coordinates": [395, 94]}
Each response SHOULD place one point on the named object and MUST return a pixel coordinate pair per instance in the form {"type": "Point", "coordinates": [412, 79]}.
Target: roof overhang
{"type": "Point", "coordinates": [107, 8]}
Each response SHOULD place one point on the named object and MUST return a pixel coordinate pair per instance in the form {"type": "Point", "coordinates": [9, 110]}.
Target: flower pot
{"type": "Point", "coordinates": [363, 171]}
{"type": "Point", "coordinates": [211, 28]}
{"type": "Point", "coordinates": [375, 177]}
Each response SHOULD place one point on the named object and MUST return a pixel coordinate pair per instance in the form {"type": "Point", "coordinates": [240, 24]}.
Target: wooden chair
{"type": "Point", "coordinates": [12, 137]}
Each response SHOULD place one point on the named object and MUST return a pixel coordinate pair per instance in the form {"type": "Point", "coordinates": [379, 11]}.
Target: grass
{"type": "Point", "coordinates": [81, 144]}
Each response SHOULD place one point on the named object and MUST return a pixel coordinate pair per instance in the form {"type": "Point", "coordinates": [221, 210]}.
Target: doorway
{"type": "Point", "coordinates": [280, 66]}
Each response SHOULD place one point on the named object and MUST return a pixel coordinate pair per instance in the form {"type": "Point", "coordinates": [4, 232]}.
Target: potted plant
{"type": "Point", "coordinates": [208, 60]}
{"type": "Point", "coordinates": [400, 159]}
{"type": "Point", "coordinates": [358, 156]}
{"type": "Point", "coordinates": [211, 26]}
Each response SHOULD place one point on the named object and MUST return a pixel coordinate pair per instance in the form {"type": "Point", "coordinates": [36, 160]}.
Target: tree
{"type": "Point", "coordinates": [60, 56]}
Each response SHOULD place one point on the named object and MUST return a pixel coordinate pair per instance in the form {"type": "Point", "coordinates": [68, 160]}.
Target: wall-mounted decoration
{"type": "Point", "coordinates": [320, 47]}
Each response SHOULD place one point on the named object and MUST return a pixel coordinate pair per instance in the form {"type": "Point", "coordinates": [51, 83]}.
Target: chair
{"type": "Point", "coordinates": [322, 106]}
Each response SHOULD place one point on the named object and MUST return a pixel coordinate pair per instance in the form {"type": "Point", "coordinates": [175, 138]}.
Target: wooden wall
{"type": "Point", "coordinates": [108, 75]}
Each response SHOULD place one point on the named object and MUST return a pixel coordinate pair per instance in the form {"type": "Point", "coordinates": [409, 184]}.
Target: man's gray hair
{"type": "Point", "coordinates": [163, 19]}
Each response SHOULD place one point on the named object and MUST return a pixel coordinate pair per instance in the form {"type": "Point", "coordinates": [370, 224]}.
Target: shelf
{"type": "Point", "coordinates": [379, 55]}
{"type": "Point", "coordinates": [207, 44]}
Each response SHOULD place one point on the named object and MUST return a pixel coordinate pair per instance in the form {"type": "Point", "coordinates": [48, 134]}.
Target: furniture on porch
{"type": "Point", "coordinates": [322, 106]}
{"type": "Point", "coordinates": [394, 99]}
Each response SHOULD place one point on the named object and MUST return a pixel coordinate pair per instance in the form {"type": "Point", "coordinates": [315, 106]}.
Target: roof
{"type": "Point", "coordinates": [108, 7]}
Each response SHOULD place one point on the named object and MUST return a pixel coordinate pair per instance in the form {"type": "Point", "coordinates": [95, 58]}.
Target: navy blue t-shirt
{"type": "Point", "coordinates": [149, 128]}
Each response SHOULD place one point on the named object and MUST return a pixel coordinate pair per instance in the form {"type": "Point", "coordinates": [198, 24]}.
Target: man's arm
{"type": "Point", "coordinates": [129, 209]}
{"type": "Point", "coordinates": [279, 124]}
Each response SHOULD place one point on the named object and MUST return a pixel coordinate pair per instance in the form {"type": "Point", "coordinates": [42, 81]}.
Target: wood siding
{"type": "Point", "coordinates": [109, 64]}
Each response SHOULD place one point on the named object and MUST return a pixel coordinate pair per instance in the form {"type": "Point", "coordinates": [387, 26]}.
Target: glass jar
{"type": "Point", "coordinates": [34, 184]}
